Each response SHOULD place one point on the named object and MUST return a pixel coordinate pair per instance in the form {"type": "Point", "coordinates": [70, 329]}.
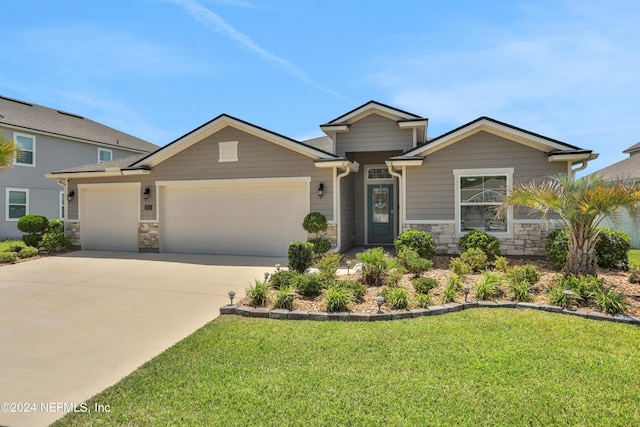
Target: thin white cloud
{"type": "Point", "coordinates": [217, 23]}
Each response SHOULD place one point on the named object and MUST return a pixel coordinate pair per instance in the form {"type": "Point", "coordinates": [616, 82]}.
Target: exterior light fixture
{"type": "Point", "coordinates": [321, 189]}
{"type": "Point", "coordinates": [70, 195]}
{"type": "Point", "coordinates": [379, 301]}
{"type": "Point", "coordinates": [232, 295]}
{"type": "Point", "coordinates": [349, 263]}
{"type": "Point", "coordinates": [466, 289]}
{"type": "Point", "coordinates": [277, 267]}
{"type": "Point", "coordinates": [146, 193]}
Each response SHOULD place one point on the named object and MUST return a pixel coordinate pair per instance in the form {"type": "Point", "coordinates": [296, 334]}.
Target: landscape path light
{"type": "Point", "coordinates": [348, 263]}
{"type": "Point", "coordinates": [232, 295]}
{"type": "Point", "coordinates": [466, 289]}
{"type": "Point", "coordinates": [266, 276]}
{"type": "Point", "coordinates": [379, 301]}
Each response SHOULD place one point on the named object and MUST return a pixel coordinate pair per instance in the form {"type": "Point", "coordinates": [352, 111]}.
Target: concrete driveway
{"type": "Point", "coordinates": [72, 325]}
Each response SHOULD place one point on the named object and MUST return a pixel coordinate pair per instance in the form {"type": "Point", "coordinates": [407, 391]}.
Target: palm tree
{"type": "Point", "coordinates": [581, 205]}
{"type": "Point", "coordinates": [7, 150]}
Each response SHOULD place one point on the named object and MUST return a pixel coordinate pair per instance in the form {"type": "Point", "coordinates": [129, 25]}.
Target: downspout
{"type": "Point", "coordinates": [401, 182]}
{"type": "Point", "coordinates": [578, 169]}
{"type": "Point", "coordinates": [336, 208]}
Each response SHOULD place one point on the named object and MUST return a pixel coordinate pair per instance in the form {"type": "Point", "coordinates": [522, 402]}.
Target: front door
{"type": "Point", "coordinates": [380, 213]}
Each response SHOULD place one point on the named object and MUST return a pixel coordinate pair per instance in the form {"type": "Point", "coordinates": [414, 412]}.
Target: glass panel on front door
{"type": "Point", "coordinates": [380, 213]}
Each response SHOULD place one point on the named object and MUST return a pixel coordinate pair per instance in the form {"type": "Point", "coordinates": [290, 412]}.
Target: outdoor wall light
{"type": "Point", "coordinates": [70, 195]}
{"type": "Point", "coordinates": [146, 193]}
{"type": "Point", "coordinates": [321, 189]}
{"type": "Point", "coordinates": [466, 289]}
{"type": "Point", "coordinates": [379, 301]}
{"type": "Point", "coordinates": [232, 295]}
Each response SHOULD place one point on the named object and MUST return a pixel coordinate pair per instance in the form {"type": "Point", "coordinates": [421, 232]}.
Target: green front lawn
{"type": "Point", "coordinates": [492, 367]}
{"type": "Point", "coordinates": [634, 257]}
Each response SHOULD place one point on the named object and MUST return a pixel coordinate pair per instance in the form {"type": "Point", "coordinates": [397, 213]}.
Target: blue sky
{"type": "Point", "coordinates": [157, 69]}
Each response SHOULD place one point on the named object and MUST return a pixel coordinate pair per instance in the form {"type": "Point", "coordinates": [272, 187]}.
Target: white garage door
{"type": "Point", "coordinates": [235, 219]}
{"type": "Point", "coordinates": [109, 218]}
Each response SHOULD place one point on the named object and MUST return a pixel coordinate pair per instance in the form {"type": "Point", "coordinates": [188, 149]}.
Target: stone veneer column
{"type": "Point", "coordinates": [148, 236]}
{"type": "Point", "coordinates": [72, 230]}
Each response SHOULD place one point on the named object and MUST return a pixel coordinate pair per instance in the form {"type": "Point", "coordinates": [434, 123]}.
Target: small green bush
{"type": "Point", "coordinates": [33, 224]}
{"type": "Point", "coordinates": [258, 293]}
{"type": "Point", "coordinates": [634, 274]}
{"type": "Point", "coordinates": [610, 301]}
{"type": "Point", "coordinates": [459, 267]}
{"type": "Point", "coordinates": [456, 282]}
{"type": "Point", "coordinates": [475, 258]}
{"type": "Point", "coordinates": [55, 240]}
{"type": "Point", "coordinates": [300, 256]}
{"type": "Point", "coordinates": [32, 240]}
{"type": "Point", "coordinates": [357, 289]}
{"type": "Point", "coordinates": [410, 260]}
{"type": "Point", "coordinates": [487, 243]}
{"type": "Point", "coordinates": [337, 298]}
{"type": "Point", "coordinates": [284, 299]}
{"type": "Point", "coordinates": [397, 298]}
{"type": "Point", "coordinates": [17, 247]}
{"type": "Point", "coordinates": [612, 247]}
{"type": "Point", "coordinates": [376, 266]}
{"type": "Point", "coordinates": [315, 222]}
{"type": "Point", "coordinates": [558, 297]}
{"type": "Point", "coordinates": [28, 252]}
{"type": "Point", "coordinates": [501, 264]}
{"type": "Point", "coordinates": [309, 285]}
{"type": "Point", "coordinates": [425, 300]}
{"type": "Point", "coordinates": [283, 278]}
{"type": "Point", "coordinates": [584, 287]}
{"type": "Point", "coordinates": [56, 225]}
{"type": "Point", "coordinates": [525, 273]}
{"type": "Point", "coordinates": [488, 287]}
{"type": "Point", "coordinates": [320, 245]}
{"type": "Point", "coordinates": [449, 294]}
{"type": "Point", "coordinates": [423, 285]}
{"type": "Point", "coordinates": [8, 257]}
{"type": "Point", "coordinates": [328, 265]}
{"type": "Point", "coordinates": [557, 247]}
{"type": "Point", "coordinates": [420, 241]}
{"type": "Point", "coordinates": [520, 290]}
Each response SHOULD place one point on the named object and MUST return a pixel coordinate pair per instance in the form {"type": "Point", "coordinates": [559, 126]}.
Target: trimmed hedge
{"type": "Point", "coordinates": [487, 243]}
{"type": "Point", "coordinates": [611, 248]}
{"type": "Point", "coordinates": [420, 241]}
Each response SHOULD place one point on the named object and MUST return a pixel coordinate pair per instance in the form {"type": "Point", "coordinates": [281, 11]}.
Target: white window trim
{"type": "Point", "coordinates": [62, 205]}
{"type": "Point", "coordinates": [228, 151]}
{"type": "Point", "coordinates": [106, 150]}
{"type": "Point", "coordinates": [6, 211]}
{"type": "Point", "coordinates": [15, 156]}
{"type": "Point", "coordinates": [459, 173]}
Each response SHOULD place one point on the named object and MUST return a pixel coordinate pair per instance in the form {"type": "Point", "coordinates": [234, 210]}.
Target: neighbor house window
{"type": "Point", "coordinates": [228, 151]}
{"type": "Point", "coordinates": [17, 203]}
{"type": "Point", "coordinates": [479, 194]}
{"type": "Point", "coordinates": [62, 204]}
{"type": "Point", "coordinates": [104, 155]}
{"type": "Point", "coordinates": [26, 153]}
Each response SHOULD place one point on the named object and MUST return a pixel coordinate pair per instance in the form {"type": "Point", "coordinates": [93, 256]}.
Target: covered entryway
{"type": "Point", "coordinates": [233, 217]}
{"type": "Point", "coordinates": [109, 216]}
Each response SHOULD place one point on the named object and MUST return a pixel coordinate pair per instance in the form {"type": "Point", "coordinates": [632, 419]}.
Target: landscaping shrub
{"type": "Point", "coordinates": [283, 299]}
{"type": "Point", "coordinates": [501, 264]}
{"type": "Point", "coordinates": [584, 287]}
{"type": "Point", "coordinates": [309, 285]}
{"type": "Point", "coordinates": [488, 287]}
{"type": "Point", "coordinates": [557, 247]}
{"type": "Point", "coordinates": [315, 222]}
{"type": "Point", "coordinates": [397, 298]}
{"type": "Point", "coordinates": [410, 260]}
{"type": "Point", "coordinates": [420, 241]}
{"type": "Point", "coordinates": [320, 245]}
{"type": "Point", "coordinates": [459, 267]}
{"type": "Point", "coordinates": [357, 289]}
{"type": "Point", "coordinates": [610, 301]}
{"type": "Point", "coordinates": [487, 243]}
{"type": "Point", "coordinates": [17, 247]}
{"type": "Point", "coordinates": [337, 298]}
{"type": "Point", "coordinates": [34, 226]}
{"type": "Point", "coordinates": [424, 284]}
{"type": "Point", "coordinates": [376, 266]}
{"type": "Point", "coordinates": [395, 275]}
{"type": "Point", "coordinates": [55, 239]}
{"type": "Point", "coordinates": [8, 257]}
{"type": "Point", "coordinates": [475, 258]}
{"type": "Point", "coordinates": [449, 294]}
{"type": "Point", "coordinates": [634, 274]}
{"type": "Point", "coordinates": [612, 247]}
{"type": "Point", "coordinates": [525, 273]}
{"type": "Point", "coordinates": [283, 278]}
{"type": "Point", "coordinates": [258, 293]}
{"type": "Point", "coordinates": [328, 265]}
{"type": "Point", "coordinates": [520, 290]}
{"type": "Point", "coordinates": [28, 252]}
{"type": "Point", "coordinates": [425, 300]}
{"type": "Point", "coordinates": [559, 298]}
{"type": "Point", "coordinates": [455, 282]}
{"type": "Point", "coordinates": [300, 256]}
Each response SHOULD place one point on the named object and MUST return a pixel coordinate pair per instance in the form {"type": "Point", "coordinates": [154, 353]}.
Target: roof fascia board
{"type": "Point", "coordinates": [72, 138]}
{"type": "Point", "coordinates": [573, 157]}
{"type": "Point", "coordinates": [342, 164]}
{"type": "Point", "coordinates": [97, 174]}
{"type": "Point", "coordinates": [412, 123]}
{"type": "Point", "coordinates": [373, 107]}
{"type": "Point", "coordinates": [405, 162]}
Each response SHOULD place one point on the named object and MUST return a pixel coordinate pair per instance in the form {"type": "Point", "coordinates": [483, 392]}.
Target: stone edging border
{"type": "Point", "coordinates": [281, 314]}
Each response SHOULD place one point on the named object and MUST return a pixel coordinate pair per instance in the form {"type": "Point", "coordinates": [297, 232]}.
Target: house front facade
{"type": "Point", "coordinates": [47, 140]}
{"type": "Point", "coordinates": [230, 187]}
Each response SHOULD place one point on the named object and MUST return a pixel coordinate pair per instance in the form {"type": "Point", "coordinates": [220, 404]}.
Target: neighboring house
{"type": "Point", "coordinates": [230, 187]}
{"type": "Point", "coordinates": [625, 170]}
{"type": "Point", "coordinates": [50, 139]}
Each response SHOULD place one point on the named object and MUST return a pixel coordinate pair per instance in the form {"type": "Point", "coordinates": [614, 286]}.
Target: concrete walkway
{"type": "Point", "coordinates": [72, 325]}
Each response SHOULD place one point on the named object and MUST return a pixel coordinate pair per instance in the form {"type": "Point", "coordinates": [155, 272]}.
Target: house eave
{"type": "Point", "coordinates": [340, 164]}
{"type": "Point", "coordinates": [399, 162]}
{"type": "Point", "coordinates": [98, 174]}
{"type": "Point", "coordinates": [572, 156]}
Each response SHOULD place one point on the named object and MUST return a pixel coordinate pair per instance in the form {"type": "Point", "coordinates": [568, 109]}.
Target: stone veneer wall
{"type": "Point", "coordinates": [148, 235]}
{"type": "Point", "coordinates": [72, 230]}
{"type": "Point", "coordinates": [331, 235]}
{"type": "Point", "coordinates": [528, 239]}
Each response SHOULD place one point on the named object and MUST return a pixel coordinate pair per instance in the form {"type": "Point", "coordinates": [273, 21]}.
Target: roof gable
{"type": "Point", "coordinates": [219, 123]}
{"type": "Point", "coordinates": [374, 107]}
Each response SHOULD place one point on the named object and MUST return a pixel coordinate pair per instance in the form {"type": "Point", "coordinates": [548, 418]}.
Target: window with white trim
{"type": "Point", "coordinates": [62, 205]}
{"type": "Point", "coordinates": [17, 203]}
{"type": "Point", "coordinates": [479, 194]}
{"type": "Point", "coordinates": [26, 152]}
{"type": "Point", "coordinates": [228, 151]}
{"type": "Point", "coordinates": [104, 155]}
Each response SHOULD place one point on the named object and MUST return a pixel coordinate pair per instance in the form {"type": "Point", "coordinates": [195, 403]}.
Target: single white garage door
{"type": "Point", "coordinates": [109, 218]}
{"type": "Point", "coordinates": [234, 219]}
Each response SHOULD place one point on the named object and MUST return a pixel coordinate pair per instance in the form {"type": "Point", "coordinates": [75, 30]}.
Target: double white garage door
{"type": "Point", "coordinates": [236, 218]}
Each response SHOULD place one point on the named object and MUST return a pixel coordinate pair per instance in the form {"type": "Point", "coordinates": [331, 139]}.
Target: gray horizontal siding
{"type": "Point", "coordinates": [430, 187]}
{"type": "Point", "coordinates": [374, 133]}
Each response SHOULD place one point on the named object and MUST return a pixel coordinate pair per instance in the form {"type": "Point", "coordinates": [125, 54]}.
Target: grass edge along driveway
{"type": "Point", "coordinates": [499, 367]}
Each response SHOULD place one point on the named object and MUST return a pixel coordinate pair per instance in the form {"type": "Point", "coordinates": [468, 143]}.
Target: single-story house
{"type": "Point", "coordinates": [625, 170]}
{"type": "Point", "coordinates": [231, 187]}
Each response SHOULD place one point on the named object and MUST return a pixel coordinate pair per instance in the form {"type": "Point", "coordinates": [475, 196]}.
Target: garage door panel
{"type": "Point", "coordinates": [109, 218]}
{"type": "Point", "coordinates": [258, 219]}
